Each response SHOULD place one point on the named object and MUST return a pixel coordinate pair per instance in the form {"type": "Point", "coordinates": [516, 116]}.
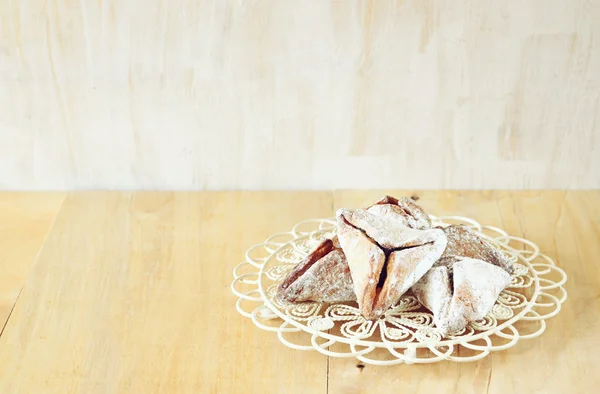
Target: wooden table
{"type": "Point", "coordinates": [109, 292]}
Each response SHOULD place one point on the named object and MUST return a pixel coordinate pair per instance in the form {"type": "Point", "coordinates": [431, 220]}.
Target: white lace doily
{"type": "Point", "coordinates": [406, 333]}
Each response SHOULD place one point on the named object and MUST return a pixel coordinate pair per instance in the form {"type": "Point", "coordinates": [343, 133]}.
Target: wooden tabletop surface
{"type": "Point", "coordinates": [114, 292]}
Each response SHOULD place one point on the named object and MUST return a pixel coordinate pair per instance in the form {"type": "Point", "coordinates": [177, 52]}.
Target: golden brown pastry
{"type": "Point", "coordinates": [323, 275]}
{"type": "Point", "coordinates": [385, 256]}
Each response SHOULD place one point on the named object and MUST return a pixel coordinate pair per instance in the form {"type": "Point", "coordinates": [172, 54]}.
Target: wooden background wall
{"type": "Point", "coordinates": [299, 94]}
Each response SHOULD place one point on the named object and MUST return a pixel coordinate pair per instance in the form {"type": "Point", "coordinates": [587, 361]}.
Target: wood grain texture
{"type": "Point", "coordinates": [25, 220]}
{"type": "Point", "coordinates": [131, 294]}
{"type": "Point", "coordinates": [299, 95]}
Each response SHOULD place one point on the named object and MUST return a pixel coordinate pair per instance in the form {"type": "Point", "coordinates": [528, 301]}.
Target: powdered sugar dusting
{"type": "Point", "coordinates": [327, 280]}
{"type": "Point", "coordinates": [477, 285]}
{"type": "Point", "coordinates": [453, 271]}
{"type": "Point", "coordinates": [363, 233]}
{"type": "Point", "coordinates": [464, 242]}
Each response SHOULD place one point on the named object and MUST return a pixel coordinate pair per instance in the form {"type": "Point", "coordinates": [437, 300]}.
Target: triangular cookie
{"type": "Point", "coordinates": [323, 275]}
{"type": "Point", "coordinates": [368, 241]}
{"type": "Point", "coordinates": [476, 286]}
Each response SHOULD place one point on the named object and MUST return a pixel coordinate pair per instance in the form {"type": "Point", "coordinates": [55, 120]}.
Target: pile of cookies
{"type": "Point", "coordinates": [391, 247]}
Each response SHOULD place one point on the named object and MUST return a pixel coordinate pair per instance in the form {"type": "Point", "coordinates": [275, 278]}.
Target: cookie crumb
{"type": "Point", "coordinates": [414, 197]}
